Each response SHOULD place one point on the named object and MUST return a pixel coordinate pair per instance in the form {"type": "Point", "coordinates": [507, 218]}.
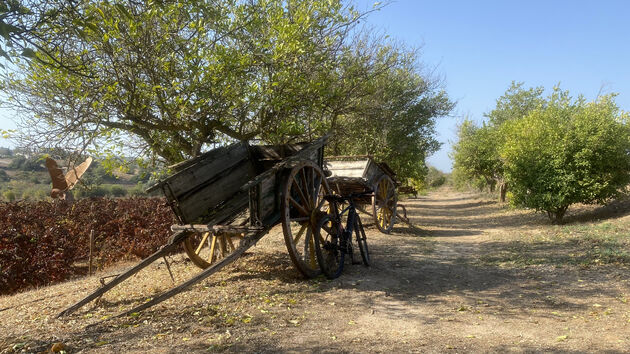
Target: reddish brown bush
{"type": "Point", "coordinates": [40, 241]}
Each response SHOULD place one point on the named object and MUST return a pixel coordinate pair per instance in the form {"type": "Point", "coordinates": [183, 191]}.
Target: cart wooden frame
{"type": "Point", "coordinates": [225, 200]}
{"type": "Point", "coordinates": [362, 173]}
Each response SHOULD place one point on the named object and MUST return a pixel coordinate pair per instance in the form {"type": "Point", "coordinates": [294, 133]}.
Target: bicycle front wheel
{"type": "Point", "coordinates": [327, 247]}
{"type": "Point", "coordinates": [362, 241]}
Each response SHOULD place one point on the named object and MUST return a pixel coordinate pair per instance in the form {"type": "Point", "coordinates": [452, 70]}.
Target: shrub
{"type": "Point", "coordinates": [40, 242]}
{"type": "Point", "coordinates": [4, 177]}
{"type": "Point", "coordinates": [567, 152]}
{"type": "Point", "coordinates": [9, 195]}
{"type": "Point", "coordinates": [117, 191]}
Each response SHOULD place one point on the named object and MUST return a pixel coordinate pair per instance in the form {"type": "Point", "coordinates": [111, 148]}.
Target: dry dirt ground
{"type": "Point", "coordinates": [435, 287]}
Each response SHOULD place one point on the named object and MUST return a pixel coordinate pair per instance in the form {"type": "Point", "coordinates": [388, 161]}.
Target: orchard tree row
{"type": "Point", "coordinates": [547, 153]}
{"type": "Point", "coordinates": [169, 80]}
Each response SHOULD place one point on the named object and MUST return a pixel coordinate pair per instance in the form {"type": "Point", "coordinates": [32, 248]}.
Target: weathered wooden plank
{"type": "Point", "coordinates": [372, 172]}
{"type": "Point", "coordinates": [270, 191]}
{"type": "Point", "coordinates": [276, 152]}
{"type": "Point", "coordinates": [206, 162]}
{"type": "Point", "coordinates": [354, 168]}
{"type": "Point", "coordinates": [216, 228]}
{"type": "Point", "coordinates": [310, 152]}
{"type": "Point", "coordinates": [388, 171]}
{"type": "Point", "coordinates": [225, 211]}
{"type": "Point", "coordinates": [186, 181]}
{"type": "Point", "coordinates": [223, 188]}
{"type": "Point", "coordinates": [347, 185]}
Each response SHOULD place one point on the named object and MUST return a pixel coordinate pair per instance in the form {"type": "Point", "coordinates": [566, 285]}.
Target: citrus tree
{"type": "Point", "coordinates": [569, 151]}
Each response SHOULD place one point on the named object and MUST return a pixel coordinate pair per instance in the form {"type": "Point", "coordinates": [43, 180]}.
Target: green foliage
{"type": "Point", "coordinates": [4, 177]}
{"type": "Point", "coordinates": [22, 163]}
{"type": "Point", "coordinates": [23, 190]}
{"type": "Point", "coordinates": [569, 151]}
{"type": "Point", "coordinates": [9, 195]}
{"type": "Point", "coordinates": [435, 178]}
{"type": "Point", "coordinates": [173, 79]}
{"type": "Point", "coordinates": [117, 191]}
{"type": "Point", "coordinates": [516, 103]}
{"type": "Point", "coordinates": [394, 119]}
{"type": "Point", "coordinates": [476, 154]}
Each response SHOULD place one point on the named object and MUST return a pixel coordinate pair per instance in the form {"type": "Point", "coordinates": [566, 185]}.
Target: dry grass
{"type": "Point", "coordinates": [432, 288]}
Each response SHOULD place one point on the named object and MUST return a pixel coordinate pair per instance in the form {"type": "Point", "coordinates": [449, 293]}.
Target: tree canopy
{"type": "Point", "coordinates": [476, 153]}
{"type": "Point", "coordinates": [570, 151]}
{"type": "Point", "coordinates": [174, 78]}
{"type": "Point", "coordinates": [552, 151]}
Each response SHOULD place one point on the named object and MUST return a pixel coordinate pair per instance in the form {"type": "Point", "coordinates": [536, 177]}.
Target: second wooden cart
{"type": "Point", "coordinates": [363, 173]}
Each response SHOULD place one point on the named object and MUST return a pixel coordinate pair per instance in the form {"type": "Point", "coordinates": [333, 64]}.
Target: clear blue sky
{"type": "Point", "coordinates": [479, 47]}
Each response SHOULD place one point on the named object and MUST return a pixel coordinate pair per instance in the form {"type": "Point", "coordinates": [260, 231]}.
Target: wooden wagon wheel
{"type": "Point", "coordinates": [302, 206]}
{"type": "Point", "coordinates": [384, 204]}
{"type": "Point", "coordinates": [204, 249]}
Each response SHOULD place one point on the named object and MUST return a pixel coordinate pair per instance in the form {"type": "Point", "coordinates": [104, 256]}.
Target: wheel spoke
{"type": "Point", "coordinates": [313, 190]}
{"type": "Point", "coordinates": [317, 182]}
{"type": "Point", "coordinates": [390, 193]}
{"type": "Point", "coordinates": [203, 240]}
{"type": "Point", "coordinates": [299, 234]}
{"type": "Point", "coordinates": [382, 189]}
{"type": "Point", "coordinates": [213, 246]}
{"type": "Point", "coordinates": [299, 207]}
{"type": "Point", "coordinates": [297, 186]}
{"type": "Point", "coordinates": [230, 243]}
{"type": "Point", "coordinates": [307, 200]}
{"type": "Point", "coordinates": [311, 251]}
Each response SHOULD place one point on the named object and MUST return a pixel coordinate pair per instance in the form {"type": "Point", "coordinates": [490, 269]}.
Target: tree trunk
{"type": "Point", "coordinates": [503, 192]}
{"type": "Point", "coordinates": [557, 215]}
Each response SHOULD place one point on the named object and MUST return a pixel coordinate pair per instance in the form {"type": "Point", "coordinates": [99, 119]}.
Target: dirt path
{"type": "Point", "coordinates": [431, 289]}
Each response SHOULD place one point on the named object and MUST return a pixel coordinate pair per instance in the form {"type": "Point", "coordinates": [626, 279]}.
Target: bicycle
{"type": "Point", "coordinates": [333, 241]}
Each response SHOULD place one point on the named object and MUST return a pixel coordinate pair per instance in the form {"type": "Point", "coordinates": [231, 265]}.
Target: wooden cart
{"type": "Point", "coordinates": [363, 173]}
{"type": "Point", "coordinates": [225, 201]}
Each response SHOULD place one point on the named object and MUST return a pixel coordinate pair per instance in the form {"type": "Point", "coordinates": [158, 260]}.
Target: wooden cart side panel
{"type": "Point", "coordinates": [353, 169]}
{"type": "Point", "coordinates": [388, 171]}
{"type": "Point", "coordinates": [271, 185]}
{"type": "Point", "coordinates": [209, 156]}
{"type": "Point", "coordinates": [194, 176]}
{"type": "Point", "coordinates": [268, 201]}
{"type": "Point", "coordinates": [372, 172]}
{"type": "Point", "coordinates": [218, 190]}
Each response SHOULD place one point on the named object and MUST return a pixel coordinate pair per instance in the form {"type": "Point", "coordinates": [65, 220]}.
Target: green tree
{"type": "Point", "coordinates": [516, 103]}
{"type": "Point", "coordinates": [435, 178]}
{"type": "Point", "coordinates": [178, 77]}
{"type": "Point", "coordinates": [174, 79]}
{"type": "Point", "coordinates": [567, 152]}
{"type": "Point", "coordinates": [392, 116]}
{"type": "Point", "coordinates": [476, 154]}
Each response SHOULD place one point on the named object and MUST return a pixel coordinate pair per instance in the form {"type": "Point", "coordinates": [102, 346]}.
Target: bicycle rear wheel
{"type": "Point", "coordinates": [327, 247]}
{"type": "Point", "coordinates": [362, 241]}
